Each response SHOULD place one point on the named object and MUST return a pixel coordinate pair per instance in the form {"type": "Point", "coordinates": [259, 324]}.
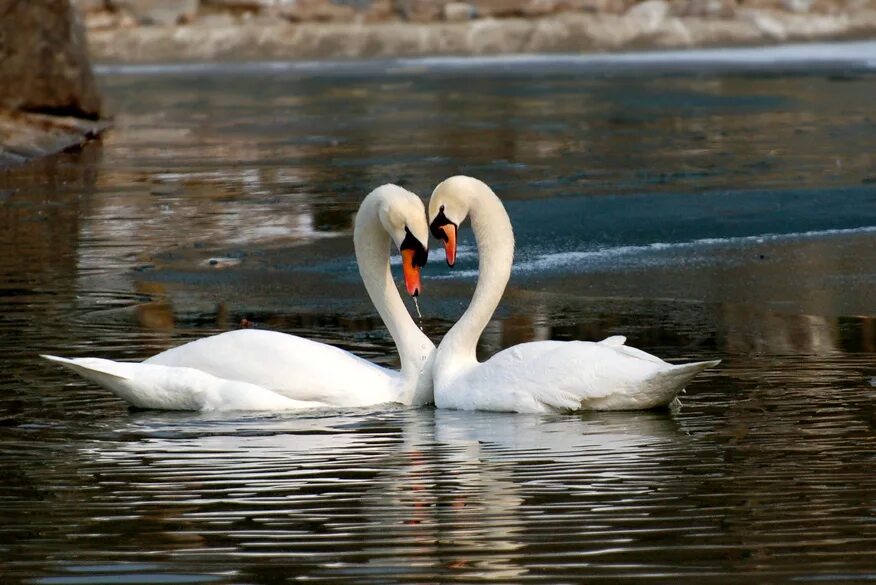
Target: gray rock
{"type": "Point", "coordinates": [420, 10]}
{"type": "Point", "coordinates": [256, 5]}
{"type": "Point", "coordinates": [217, 19]}
{"type": "Point", "coordinates": [650, 13]}
{"type": "Point", "coordinates": [798, 5]}
{"type": "Point", "coordinates": [603, 6]}
{"type": "Point", "coordinates": [107, 19]}
{"type": "Point", "coordinates": [499, 8]}
{"type": "Point", "coordinates": [767, 23]}
{"type": "Point", "coordinates": [44, 64]}
{"type": "Point", "coordinates": [459, 11]}
{"type": "Point", "coordinates": [704, 8]}
{"type": "Point", "coordinates": [87, 6]}
{"type": "Point", "coordinates": [159, 12]}
{"type": "Point", "coordinates": [335, 11]}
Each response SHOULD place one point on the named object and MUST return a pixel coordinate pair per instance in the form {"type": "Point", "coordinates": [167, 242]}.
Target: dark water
{"type": "Point", "coordinates": [702, 216]}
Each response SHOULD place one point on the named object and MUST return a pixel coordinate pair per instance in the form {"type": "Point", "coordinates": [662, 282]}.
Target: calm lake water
{"type": "Point", "coordinates": [729, 216]}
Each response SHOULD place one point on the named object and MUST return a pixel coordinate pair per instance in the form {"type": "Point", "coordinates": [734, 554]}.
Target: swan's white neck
{"type": "Point", "coordinates": [495, 243]}
{"type": "Point", "coordinates": [415, 350]}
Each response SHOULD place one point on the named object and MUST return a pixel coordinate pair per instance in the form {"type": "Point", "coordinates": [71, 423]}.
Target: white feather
{"type": "Point", "coordinates": [541, 376]}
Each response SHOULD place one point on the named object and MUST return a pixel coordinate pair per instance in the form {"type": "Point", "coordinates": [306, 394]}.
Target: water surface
{"type": "Point", "coordinates": [702, 216]}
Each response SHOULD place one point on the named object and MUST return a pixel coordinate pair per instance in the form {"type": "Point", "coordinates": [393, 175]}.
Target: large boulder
{"type": "Point", "coordinates": [48, 97]}
{"type": "Point", "coordinates": [44, 64]}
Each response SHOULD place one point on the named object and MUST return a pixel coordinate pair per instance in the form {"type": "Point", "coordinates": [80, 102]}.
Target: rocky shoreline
{"type": "Point", "coordinates": [143, 31]}
{"type": "Point", "coordinates": [49, 100]}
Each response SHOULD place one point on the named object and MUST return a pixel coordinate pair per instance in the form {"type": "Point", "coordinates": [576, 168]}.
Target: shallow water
{"type": "Point", "coordinates": [702, 216]}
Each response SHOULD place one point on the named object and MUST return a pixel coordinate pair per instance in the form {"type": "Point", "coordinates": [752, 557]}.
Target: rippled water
{"type": "Point", "coordinates": [703, 216]}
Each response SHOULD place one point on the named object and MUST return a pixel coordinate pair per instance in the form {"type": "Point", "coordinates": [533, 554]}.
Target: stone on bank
{"type": "Point", "coordinates": [48, 96]}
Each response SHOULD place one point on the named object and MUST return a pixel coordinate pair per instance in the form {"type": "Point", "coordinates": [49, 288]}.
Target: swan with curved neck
{"type": "Point", "coordinates": [540, 376]}
{"type": "Point", "coordinates": [255, 369]}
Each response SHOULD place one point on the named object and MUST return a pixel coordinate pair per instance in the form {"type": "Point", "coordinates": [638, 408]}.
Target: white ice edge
{"type": "Point", "coordinates": [854, 52]}
{"type": "Point", "coordinates": [557, 260]}
{"type": "Point", "coordinates": [851, 53]}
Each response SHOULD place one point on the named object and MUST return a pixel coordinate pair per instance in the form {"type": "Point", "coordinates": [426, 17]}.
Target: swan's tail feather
{"type": "Point", "coordinates": [671, 381]}
{"type": "Point", "coordinates": [679, 375]}
{"type": "Point", "coordinates": [121, 379]}
{"type": "Point", "coordinates": [89, 367]}
{"type": "Point", "coordinates": [657, 390]}
{"type": "Point", "coordinates": [177, 387]}
{"type": "Point", "coordinates": [614, 340]}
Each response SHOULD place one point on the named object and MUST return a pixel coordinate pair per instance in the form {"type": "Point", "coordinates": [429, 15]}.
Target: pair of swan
{"type": "Point", "coordinates": [263, 370]}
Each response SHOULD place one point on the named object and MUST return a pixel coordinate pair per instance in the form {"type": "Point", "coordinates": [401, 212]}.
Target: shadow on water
{"type": "Point", "coordinates": [702, 216]}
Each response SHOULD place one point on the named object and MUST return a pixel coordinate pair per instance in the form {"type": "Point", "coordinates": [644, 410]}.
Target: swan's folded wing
{"type": "Point", "coordinates": [580, 372]}
{"type": "Point", "coordinates": [636, 353]}
{"type": "Point", "coordinates": [293, 366]}
{"type": "Point", "coordinates": [533, 377]}
{"type": "Point", "coordinates": [612, 378]}
{"type": "Point", "coordinates": [550, 375]}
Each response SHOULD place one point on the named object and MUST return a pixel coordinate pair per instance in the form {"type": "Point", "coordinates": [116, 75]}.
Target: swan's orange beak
{"type": "Point", "coordinates": [411, 272]}
{"type": "Point", "coordinates": [449, 238]}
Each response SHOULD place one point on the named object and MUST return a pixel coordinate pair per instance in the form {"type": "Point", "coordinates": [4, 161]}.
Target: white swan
{"type": "Point", "coordinates": [253, 369]}
{"type": "Point", "coordinates": [541, 376]}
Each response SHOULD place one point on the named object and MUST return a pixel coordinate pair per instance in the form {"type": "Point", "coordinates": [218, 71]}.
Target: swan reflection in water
{"type": "Point", "coordinates": [467, 480]}
{"type": "Point", "coordinates": [418, 490]}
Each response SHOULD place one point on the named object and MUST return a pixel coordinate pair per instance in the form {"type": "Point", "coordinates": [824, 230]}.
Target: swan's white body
{"type": "Point", "coordinates": [177, 388]}
{"type": "Point", "coordinates": [289, 365]}
{"type": "Point", "coordinates": [541, 376]}
{"type": "Point", "coordinates": [252, 369]}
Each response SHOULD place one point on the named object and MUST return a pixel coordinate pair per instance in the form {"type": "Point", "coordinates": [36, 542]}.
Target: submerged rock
{"type": "Point", "coordinates": [25, 136]}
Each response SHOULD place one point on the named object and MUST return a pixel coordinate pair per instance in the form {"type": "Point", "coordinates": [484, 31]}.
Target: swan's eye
{"type": "Point", "coordinates": [412, 243]}
{"type": "Point", "coordinates": [437, 223]}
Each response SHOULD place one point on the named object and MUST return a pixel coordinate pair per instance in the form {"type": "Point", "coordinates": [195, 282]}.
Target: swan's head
{"type": "Point", "coordinates": [403, 216]}
{"type": "Point", "coordinates": [448, 208]}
